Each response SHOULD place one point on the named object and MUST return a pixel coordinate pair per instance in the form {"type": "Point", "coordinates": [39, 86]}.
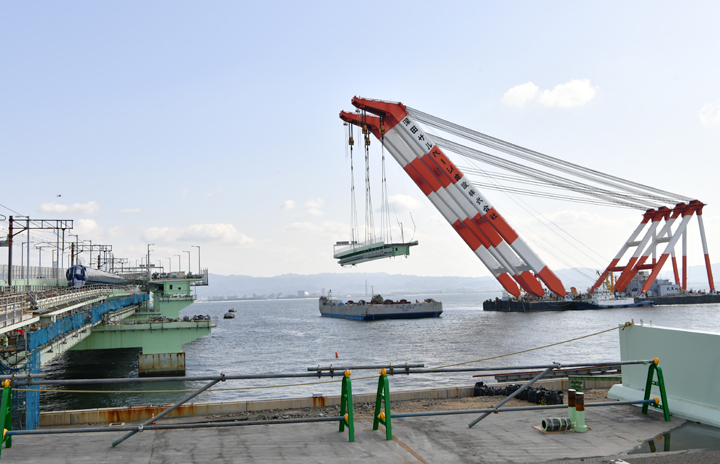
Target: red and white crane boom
{"type": "Point", "coordinates": [480, 225]}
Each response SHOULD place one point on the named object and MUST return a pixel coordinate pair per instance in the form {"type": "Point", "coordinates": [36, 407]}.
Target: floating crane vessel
{"type": "Point", "coordinates": [518, 269]}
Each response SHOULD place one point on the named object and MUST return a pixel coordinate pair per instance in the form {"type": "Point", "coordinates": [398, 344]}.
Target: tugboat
{"type": "Point", "coordinates": [602, 298]}
{"type": "Point", "coordinates": [379, 308]}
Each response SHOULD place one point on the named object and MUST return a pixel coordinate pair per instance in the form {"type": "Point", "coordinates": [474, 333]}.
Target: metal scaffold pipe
{"type": "Point", "coordinates": [516, 393]}
{"type": "Point", "coordinates": [130, 428]}
{"type": "Point", "coordinates": [400, 370]}
{"type": "Point", "coordinates": [165, 412]}
{"type": "Point", "coordinates": [519, 408]}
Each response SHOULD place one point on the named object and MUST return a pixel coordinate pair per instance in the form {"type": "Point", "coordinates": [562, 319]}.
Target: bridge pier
{"type": "Point", "coordinates": [161, 365]}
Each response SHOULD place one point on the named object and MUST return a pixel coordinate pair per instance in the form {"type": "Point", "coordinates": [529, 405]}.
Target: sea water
{"type": "Point", "coordinates": [288, 336]}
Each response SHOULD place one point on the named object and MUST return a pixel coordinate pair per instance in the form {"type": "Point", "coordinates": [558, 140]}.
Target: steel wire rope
{"type": "Point", "coordinates": [353, 208]}
{"type": "Point", "coordinates": [520, 180]}
{"type": "Point", "coordinates": [531, 234]}
{"type": "Point", "coordinates": [541, 245]}
{"type": "Point", "coordinates": [384, 208]}
{"type": "Point", "coordinates": [627, 324]}
{"type": "Point", "coordinates": [529, 155]}
{"type": "Point", "coordinates": [370, 236]}
{"type": "Point", "coordinates": [541, 215]}
{"type": "Point", "coordinates": [559, 181]}
{"type": "Point", "coordinates": [550, 196]}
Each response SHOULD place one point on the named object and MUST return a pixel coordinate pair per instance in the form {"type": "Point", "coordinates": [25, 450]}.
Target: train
{"type": "Point", "coordinates": [79, 275]}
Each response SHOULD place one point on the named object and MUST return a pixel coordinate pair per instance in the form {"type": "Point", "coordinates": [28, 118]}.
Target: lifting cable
{"type": "Point", "coordinates": [369, 221]}
{"type": "Point", "coordinates": [385, 229]}
{"type": "Point", "coordinates": [353, 208]}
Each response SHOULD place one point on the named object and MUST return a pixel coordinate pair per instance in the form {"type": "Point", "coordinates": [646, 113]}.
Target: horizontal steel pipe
{"type": "Point", "coordinates": [134, 428]}
{"type": "Point", "coordinates": [376, 366]}
{"type": "Point", "coordinates": [520, 408]}
{"type": "Point", "coordinates": [308, 375]}
{"type": "Point", "coordinates": [129, 428]}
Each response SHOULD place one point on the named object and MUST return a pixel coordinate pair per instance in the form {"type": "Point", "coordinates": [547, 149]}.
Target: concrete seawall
{"type": "Point", "coordinates": [134, 413]}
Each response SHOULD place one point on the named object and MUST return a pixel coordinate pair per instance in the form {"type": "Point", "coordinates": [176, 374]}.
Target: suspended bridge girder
{"type": "Point", "coordinates": [351, 254]}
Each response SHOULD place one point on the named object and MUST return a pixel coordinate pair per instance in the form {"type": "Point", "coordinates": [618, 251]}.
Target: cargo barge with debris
{"type": "Point", "coordinates": [379, 308]}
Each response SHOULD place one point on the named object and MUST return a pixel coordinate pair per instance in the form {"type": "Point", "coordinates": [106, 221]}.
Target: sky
{"type": "Point", "coordinates": [215, 124]}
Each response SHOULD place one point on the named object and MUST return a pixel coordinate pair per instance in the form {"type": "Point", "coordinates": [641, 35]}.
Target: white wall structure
{"type": "Point", "coordinates": [690, 361]}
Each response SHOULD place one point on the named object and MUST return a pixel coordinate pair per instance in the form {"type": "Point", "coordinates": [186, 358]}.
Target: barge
{"type": "Point", "coordinates": [379, 308]}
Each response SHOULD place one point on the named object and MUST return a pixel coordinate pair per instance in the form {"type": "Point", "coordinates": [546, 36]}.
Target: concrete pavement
{"type": "Point", "coordinates": [501, 438]}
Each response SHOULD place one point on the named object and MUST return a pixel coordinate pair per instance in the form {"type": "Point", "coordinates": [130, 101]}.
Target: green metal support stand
{"type": "Point", "coordinates": [6, 414]}
{"type": "Point", "coordinates": [660, 383]}
{"type": "Point", "coordinates": [346, 408]}
{"type": "Point", "coordinates": [383, 400]}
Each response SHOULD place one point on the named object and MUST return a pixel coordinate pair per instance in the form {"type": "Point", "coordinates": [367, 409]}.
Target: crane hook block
{"type": "Point", "coordinates": [351, 141]}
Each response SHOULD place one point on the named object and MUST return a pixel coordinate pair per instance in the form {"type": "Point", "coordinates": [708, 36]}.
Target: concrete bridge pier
{"type": "Point", "coordinates": [162, 365]}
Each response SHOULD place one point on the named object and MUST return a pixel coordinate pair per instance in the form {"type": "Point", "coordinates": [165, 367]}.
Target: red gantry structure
{"type": "Point", "coordinates": [489, 235]}
{"type": "Point", "coordinates": [647, 246]}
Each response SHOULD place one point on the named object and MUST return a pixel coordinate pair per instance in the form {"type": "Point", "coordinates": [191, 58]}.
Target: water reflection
{"type": "Point", "coordinates": [690, 435]}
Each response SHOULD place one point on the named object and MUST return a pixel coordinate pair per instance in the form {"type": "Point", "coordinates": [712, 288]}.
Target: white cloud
{"type": "Point", "coordinates": [223, 233]}
{"type": "Point", "coordinates": [288, 205]}
{"type": "Point", "coordinates": [312, 207]}
{"type": "Point", "coordinates": [130, 210]}
{"type": "Point", "coordinates": [404, 203]}
{"type": "Point", "coordinates": [85, 227]}
{"type": "Point", "coordinates": [84, 209]}
{"type": "Point", "coordinates": [521, 94]}
{"type": "Point", "coordinates": [710, 113]}
{"type": "Point", "coordinates": [577, 92]}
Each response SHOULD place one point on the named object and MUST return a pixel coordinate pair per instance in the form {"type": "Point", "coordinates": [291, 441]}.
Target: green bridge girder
{"type": "Point", "coordinates": [152, 338]}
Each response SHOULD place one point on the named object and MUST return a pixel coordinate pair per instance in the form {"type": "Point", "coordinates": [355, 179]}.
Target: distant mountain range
{"type": "Point", "coordinates": [384, 283]}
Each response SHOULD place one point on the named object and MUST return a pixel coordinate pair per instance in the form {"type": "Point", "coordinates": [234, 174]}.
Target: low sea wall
{"type": "Point", "coordinates": [135, 413]}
